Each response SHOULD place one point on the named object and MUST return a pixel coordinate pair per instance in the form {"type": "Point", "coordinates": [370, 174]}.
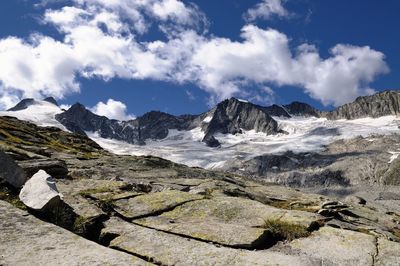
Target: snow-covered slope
{"type": "Point", "coordinates": [304, 135]}
{"type": "Point", "coordinates": [42, 113]}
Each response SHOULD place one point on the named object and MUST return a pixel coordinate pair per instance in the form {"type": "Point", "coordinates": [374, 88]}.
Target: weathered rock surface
{"type": "Point", "coordinates": [168, 249]}
{"type": "Point", "coordinates": [26, 240]}
{"type": "Point", "coordinates": [152, 203]}
{"type": "Point", "coordinates": [10, 172]}
{"type": "Point", "coordinates": [227, 220]}
{"type": "Point", "coordinates": [337, 247]}
{"type": "Point", "coordinates": [40, 191]}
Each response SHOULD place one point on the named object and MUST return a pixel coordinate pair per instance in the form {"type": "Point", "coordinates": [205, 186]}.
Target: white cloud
{"type": "Point", "coordinates": [267, 9]}
{"type": "Point", "coordinates": [113, 110]}
{"type": "Point", "coordinates": [103, 39]}
{"type": "Point", "coordinates": [224, 67]}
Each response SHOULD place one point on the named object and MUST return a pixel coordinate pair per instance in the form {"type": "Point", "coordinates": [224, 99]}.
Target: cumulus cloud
{"type": "Point", "coordinates": [224, 67]}
{"type": "Point", "coordinates": [113, 110]}
{"type": "Point", "coordinates": [106, 39]}
{"type": "Point", "coordinates": [267, 9]}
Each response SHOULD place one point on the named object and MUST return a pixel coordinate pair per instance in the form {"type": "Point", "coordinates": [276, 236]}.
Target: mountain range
{"type": "Point", "coordinates": [276, 143]}
{"type": "Point", "coordinates": [231, 116]}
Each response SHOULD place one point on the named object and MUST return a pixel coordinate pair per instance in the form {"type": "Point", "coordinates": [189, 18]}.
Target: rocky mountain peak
{"type": "Point", "coordinates": [51, 100]}
{"type": "Point", "coordinates": [302, 109]}
{"type": "Point", "coordinates": [380, 104]}
{"type": "Point", "coordinates": [233, 115]}
{"type": "Point", "coordinates": [23, 104]}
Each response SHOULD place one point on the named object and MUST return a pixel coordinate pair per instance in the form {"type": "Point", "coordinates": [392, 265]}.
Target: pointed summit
{"type": "Point", "coordinates": [51, 100]}
{"type": "Point", "coordinates": [23, 104]}
{"type": "Point", "coordinates": [233, 115]}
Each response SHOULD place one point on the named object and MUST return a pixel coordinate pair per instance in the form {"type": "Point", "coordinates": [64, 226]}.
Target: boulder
{"type": "Point", "coordinates": [10, 172]}
{"type": "Point", "coordinates": [40, 192]}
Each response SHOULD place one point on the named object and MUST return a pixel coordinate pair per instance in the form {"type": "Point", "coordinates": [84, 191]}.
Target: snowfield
{"type": "Point", "coordinates": [304, 135]}
{"type": "Point", "coordinates": [41, 113]}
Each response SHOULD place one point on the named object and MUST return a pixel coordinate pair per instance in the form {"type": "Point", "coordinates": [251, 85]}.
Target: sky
{"type": "Point", "coordinates": [122, 58]}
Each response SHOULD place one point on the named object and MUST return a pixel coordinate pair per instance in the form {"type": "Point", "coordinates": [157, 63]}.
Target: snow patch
{"type": "Point", "coordinates": [207, 119]}
{"type": "Point", "coordinates": [243, 101]}
{"type": "Point", "coordinates": [41, 113]}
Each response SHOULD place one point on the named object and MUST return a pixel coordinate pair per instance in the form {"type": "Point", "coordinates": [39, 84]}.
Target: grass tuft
{"type": "Point", "coordinates": [284, 230]}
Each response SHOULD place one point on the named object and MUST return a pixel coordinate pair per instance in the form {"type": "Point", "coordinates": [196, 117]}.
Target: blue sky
{"type": "Point", "coordinates": [210, 50]}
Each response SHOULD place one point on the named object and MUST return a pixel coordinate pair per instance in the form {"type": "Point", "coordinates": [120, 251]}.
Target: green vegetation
{"type": "Point", "coordinates": [11, 197]}
{"type": "Point", "coordinates": [30, 139]}
{"type": "Point", "coordinates": [285, 231]}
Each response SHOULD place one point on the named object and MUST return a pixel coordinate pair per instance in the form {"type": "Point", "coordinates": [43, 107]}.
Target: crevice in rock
{"type": "Point", "coordinates": [143, 257]}
{"type": "Point", "coordinates": [155, 213]}
{"type": "Point", "coordinates": [376, 254]}
{"type": "Point", "coordinates": [64, 216]}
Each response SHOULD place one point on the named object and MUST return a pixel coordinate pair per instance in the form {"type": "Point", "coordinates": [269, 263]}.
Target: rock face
{"type": "Point", "coordinates": [10, 172]}
{"type": "Point", "coordinates": [22, 105]}
{"type": "Point", "coordinates": [51, 100]}
{"type": "Point", "coordinates": [55, 168]}
{"type": "Point", "coordinates": [380, 104]}
{"type": "Point", "coordinates": [79, 119]}
{"type": "Point", "coordinates": [231, 116]}
{"type": "Point", "coordinates": [277, 110]}
{"type": "Point", "coordinates": [302, 109]}
{"type": "Point", "coordinates": [40, 192]}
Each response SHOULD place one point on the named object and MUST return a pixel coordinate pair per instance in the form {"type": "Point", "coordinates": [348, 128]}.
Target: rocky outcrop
{"type": "Point", "coordinates": [380, 104]}
{"type": "Point", "coordinates": [40, 192]}
{"type": "Point", "coordinates": [25, 103]}
{"type": "Point", "coordinates": [302, 109]}
{"type": "Point", "coordinates": [10, 172]}
{"type": "Point", "coordinates": [51, 100]}
{"type": "Point", "coordinates": [79, 119]}
{"type": "Point", "coordinates": [232, 116]}
{"type": "Point", "coordinates": [55, 168]}
{"type": "Point", "coordinates": [277, 110]}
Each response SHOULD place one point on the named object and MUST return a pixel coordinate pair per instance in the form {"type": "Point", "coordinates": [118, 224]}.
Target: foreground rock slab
{"type": "Point", "coordinates": [338, 247]}
{"type": "Point", "coordinates": [26, 240]}
{"type": "Point", "coordinates": [153, 203]}
{"type": "Point", "coordinates": [168, 249]}
{"type": "Point", "coordinates": [230, 221]}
